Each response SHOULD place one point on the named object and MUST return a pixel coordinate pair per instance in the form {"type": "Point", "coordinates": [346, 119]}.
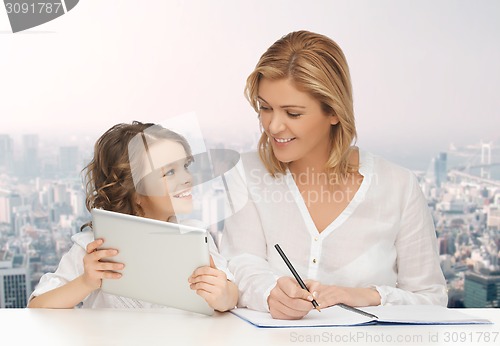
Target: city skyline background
{"type": "Point", "coordinates": [42, 205]}
{"type": "Point", "coordinates": [425, 74]}
{"type": "Point", "coordinates": [425, 77]}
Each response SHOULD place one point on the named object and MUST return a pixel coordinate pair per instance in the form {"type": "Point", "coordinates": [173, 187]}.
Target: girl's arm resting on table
{"type": "Point", "coordinates": [74, 291]}
{"type": "Point", "coordinates": [64, 297]}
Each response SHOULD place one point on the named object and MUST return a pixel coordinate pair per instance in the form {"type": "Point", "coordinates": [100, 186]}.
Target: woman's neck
{"type": "Point", "coordinates": [309, 164]}
{"type": "Point", "coordinates": [314, 166]}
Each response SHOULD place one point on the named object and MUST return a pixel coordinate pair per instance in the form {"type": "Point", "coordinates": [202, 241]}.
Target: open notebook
{"type": "Point", "coordinates": [338, 316]}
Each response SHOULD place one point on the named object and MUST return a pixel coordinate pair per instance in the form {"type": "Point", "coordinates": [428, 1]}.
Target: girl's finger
{"type": "Point", "coordinates": [105, 266]}
{"type": "Point", "coordinates": [111, 275]}
{"type": "Point", "coordinates": [100, 254]}
{"type": "Point", "coordinates": [92, 246]}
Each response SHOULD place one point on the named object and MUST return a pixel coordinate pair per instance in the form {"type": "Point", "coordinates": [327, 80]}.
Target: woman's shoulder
{"type": "Point", "coordinates": [382, 164]}
{"type": "Point", "coordinates": [383, 169]}
{"type": "Point", "coordinates": [252, 165]}
{"type": "Point", "coordinates": [251, 159]}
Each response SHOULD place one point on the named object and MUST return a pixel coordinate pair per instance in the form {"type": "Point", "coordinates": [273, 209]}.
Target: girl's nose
{"type": "Point", "coordinates": [186, 177]}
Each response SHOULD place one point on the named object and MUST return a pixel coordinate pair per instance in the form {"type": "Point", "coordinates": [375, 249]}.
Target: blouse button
{"type": "Point", "coordinates": [314, 260]}
{"type": "Point", "coordinates": [315, 238]}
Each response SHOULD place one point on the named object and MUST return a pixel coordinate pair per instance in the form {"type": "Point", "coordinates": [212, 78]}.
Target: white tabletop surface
{"type": "Point", "coordinates": [175, 327]}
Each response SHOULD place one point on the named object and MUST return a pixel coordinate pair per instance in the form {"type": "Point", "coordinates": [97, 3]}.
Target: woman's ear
{"type": "Point", "coordinates": [334, 119]}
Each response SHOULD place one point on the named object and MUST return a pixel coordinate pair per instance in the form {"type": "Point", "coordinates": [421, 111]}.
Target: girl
{"type": "Point", "coordinates": [138, 169]}
{"type": "Point", "coordinates": [357, 226]}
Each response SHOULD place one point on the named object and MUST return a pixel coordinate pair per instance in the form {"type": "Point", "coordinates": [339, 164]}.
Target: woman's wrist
{"type": "Point", "coordinates": [353, 296]}
{"type": "Point", "coordinates": [374, 297]}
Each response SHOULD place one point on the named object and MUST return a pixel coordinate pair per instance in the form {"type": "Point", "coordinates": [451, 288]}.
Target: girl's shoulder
{"type": "Point", "coordinates": [83, 238]}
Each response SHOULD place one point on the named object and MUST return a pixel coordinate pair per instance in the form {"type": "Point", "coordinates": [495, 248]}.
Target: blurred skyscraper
{"type": "Point", "coordinates": [440, 169]}
{"type": "Point", "coordinates": [30, 167]}
{"type": "Point", "coordinates": [15, 285]}
{"type": "Point", "coordinates": [482, 290]}
{"type": "Point", "coordinates": [6, 153]}
{"type": "Point", "coordinates": [68, 161]}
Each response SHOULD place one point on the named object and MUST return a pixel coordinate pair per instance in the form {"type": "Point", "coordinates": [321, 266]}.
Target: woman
{"type": "Point", "coordinates": [137, 169]}
{"type": "Point", "coordinates": [356, 226]}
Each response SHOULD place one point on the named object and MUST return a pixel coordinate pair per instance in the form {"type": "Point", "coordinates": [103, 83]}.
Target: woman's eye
{"type": "Point", "coordinates": [293, 115]}
{"type": "Point", "coordinates": [263, 108]}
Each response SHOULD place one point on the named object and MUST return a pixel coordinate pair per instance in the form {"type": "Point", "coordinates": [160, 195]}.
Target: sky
{"type": "Point", "coordinates": [426, 73]}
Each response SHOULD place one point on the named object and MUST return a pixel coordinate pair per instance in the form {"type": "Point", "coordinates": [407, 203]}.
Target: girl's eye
{"type": "Point", "coordinates": [293, 115]}
{"type": "Point", "coordinates": [263, 108]}
{"type": "Point", "coordinates": [188, 163]}
{"type": "Point", "coordinates": [169, 172]}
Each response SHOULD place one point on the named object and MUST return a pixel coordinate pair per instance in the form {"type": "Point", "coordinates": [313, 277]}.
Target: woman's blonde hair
{"type": "Point", "coordinates": [109, 183]}
{"type": "Point", "coordinates": [316, 65]}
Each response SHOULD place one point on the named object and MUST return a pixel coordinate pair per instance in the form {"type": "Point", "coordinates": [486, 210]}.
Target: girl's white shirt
{"type": "Point", "coordinates": [384, 239]}
{"type": "Point", "coordinates": [71, 266]}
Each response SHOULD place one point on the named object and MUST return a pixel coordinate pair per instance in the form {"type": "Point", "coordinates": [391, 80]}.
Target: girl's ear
{"type": "Point", "coordinates": [138, 199]}
{"type": "Point", "coordinates": [139, 204]}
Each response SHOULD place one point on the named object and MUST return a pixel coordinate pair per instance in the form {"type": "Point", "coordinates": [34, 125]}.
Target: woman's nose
{"type": "Point", "coordinates": [276, 124]}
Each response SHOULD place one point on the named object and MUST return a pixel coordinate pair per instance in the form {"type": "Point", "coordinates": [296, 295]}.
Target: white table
{"type": "Point", "coordinates": [175, 327]}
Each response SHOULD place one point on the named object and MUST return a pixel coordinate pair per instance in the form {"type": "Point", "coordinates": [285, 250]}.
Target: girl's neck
{"type": "Point", "coordinates": [167, 218]}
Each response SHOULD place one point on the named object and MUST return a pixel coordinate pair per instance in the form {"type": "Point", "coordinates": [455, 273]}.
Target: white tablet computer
{"type": "Point", "coordinates": [159, 258]}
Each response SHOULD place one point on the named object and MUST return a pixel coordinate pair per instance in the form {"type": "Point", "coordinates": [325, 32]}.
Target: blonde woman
{"type": "Point", "coordinates": [356, 226]}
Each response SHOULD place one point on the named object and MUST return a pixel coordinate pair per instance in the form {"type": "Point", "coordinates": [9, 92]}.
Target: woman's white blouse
{"type": "Point", "coordinates": [384, 239]}
{"type": "Point", "coordinates": [71, 266]}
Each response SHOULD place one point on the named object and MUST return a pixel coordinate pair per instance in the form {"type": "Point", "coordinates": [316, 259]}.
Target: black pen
{"type": "Point", "coordinates": [353, 309]}
{"type": "Point", "coordinates": [314, 302]}
{"type": "Point", "coordinates": [296, 275]}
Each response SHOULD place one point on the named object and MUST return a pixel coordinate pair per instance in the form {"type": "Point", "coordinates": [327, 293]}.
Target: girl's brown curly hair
{"type": "Point", "coordinates": [108, 178]}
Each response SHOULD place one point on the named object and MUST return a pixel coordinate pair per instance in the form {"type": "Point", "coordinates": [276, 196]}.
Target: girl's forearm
{"type": "Point", "coordinates": [64, 297]}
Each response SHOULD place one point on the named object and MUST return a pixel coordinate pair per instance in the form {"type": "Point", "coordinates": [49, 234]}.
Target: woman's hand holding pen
{"type": "Point", "coordinates": [328, 295]}
{"type": "Point", "coordinates": [212, 285]}
{"type": "Point", "coordinates": [288, 301]}
{"type": "Point", "coordinates": [94, 269]}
